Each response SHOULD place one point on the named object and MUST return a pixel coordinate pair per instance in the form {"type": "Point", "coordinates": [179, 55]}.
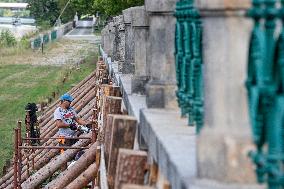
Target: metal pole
{"type": "Point", "coordinates": [19, 154]}
{"type": "Point", "coordinates": [15, 159]}
{"type": "Point", "coordinates": [28, 138]}
{"type": "Point", "coordinates": [33, 159]}
{"type": "Point", "coordinates": [51, 147]}
{"type": "Point", "coordinates": [28, 159]}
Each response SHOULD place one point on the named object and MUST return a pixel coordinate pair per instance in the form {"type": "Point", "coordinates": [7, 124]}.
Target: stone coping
{"type": "Point", "coordinates": [170, 142]}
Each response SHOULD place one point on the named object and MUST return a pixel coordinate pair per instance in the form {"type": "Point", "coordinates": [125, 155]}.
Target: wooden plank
{"type": "Point", "coordinates": [111, 90]}
{"type": "Point", "coordinates": [131, 166]}
{"type": "Point", "coordinates": [107, 136]}
{"type": "Point", "coordinates": [111, 105]}
{"type": "Point", "coordinates": [122, 136]}
{"type": "Point", "coordinates": [84, 178]}
{"type": "Point", "coordinates": [102, 171]}
{"type": "Point", "coordinates": [153, 177]}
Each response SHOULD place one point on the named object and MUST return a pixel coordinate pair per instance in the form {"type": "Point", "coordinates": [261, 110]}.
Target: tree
{"type": "Point", "coordinates": [49, 10]}
{"type": "Point", "coordinates": [44, 11]}
{"type": "Point", "coordinates": [114, 7]}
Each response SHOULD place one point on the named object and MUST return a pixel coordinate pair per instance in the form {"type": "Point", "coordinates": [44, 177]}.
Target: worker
{"type": "Point", "coordinates": [66, 119]}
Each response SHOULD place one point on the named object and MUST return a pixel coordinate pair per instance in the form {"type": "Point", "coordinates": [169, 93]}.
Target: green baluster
{"type": "Point", "coordinates": [256, 58]}
{"type": "Point", "coordinates": [37, 42]}
{"type": "Point", "coordinates": [266, 93]}
{"type": "Point", "coordinates": [53, 35]}
{"type": "Point", "coordinates": [187, 70]}
{"type": "Point", "coordinates": [45, 38]}
{"type": "Point", "coordinates": [198, 77]}
{"type": "Point", "coordinates": [189, 74]}
{"type": "Point", "coordinates": [178, 57]}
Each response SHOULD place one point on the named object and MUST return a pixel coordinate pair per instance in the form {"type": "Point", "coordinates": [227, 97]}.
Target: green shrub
{"type": "Point", "coordinates": [7, 39]}
{"type": "Point", "coordinates": [24, 43]}
{"type": "Point", "coordinates": [43, 25]}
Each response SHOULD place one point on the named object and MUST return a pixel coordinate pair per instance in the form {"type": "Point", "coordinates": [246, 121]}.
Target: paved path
{"type": "Point", "coordinates": [83, 34]}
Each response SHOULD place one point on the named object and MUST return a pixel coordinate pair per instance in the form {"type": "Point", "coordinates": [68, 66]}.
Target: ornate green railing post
{"type": "Point", "coordinates": [189, 62]}
{"type": "Point", "coordinates": [266, 92]}
{"type": "Point", "coordinates": [37, 42]}
{"type": "Point", "coordinates": [53, 35]}
{"type": "Point", "coordinates": [45, 38]}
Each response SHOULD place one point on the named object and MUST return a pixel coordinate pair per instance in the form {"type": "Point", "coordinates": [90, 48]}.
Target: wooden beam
{"type": "Point", "coordinates": [131, 167]}
{"type": "Point", "coordinates": [122, 136]}
{"type": "Point", "coordinates": [84, 179]}
{"type": "Point", "coordinates": [41, 175]}
{"type": "Point", "coordinates": [74, 171]}
{"type": "Point", "coordinates": [111, 105]}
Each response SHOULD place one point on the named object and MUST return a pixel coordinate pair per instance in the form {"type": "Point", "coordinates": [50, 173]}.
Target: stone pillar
{"type": "Point", "coordinates": [109, 38]}
{"type": "Point", "coordinates": [103, 33]}
{"type": "Point", "coordinates": [140, 25]}
{"type": "Point", "coordinates": [128, 66]}
{"type": "Point", "coordinates": [225, 139]}
{"type": "Point", "coordinates": [160, 91]}
{"type": "Point", "coordinates": [118, 53]}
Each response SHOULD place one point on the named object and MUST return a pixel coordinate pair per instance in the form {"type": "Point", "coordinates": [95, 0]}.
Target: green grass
{"type": "Point", "coordinates": [20, 84]}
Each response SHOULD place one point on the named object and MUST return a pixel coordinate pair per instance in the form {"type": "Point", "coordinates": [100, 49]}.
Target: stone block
{"type": "Point", "coordinates": [160, 5]}
{"type": "Point", "coordinates": [161, 95]}
{"type": "Point", "coordinates": [142, 67]}
{"type": "Point", "coordinates": [127, 15]}
{"type": "Point", "coordinates": [223, 4]}
{"type": "Point", "coordinates": [118, 53]}
{"type": "Point", "coordinates": [119, 23]}
{"type": "Point", "coordinates": [226, 121]}
{"type": "Point", "coordinates": [155, 96]}
{"type": "Point", "coordinates": [161, 49]}
{"type": "Point", "coordinates": [127, 68]}
{"type": "Point", "coordinates": [111, 27]}
{"type": "Point", "coordinates": [131, 166]}
{"type": "Point", "coordinates": [140, 17]}
{"type": "Point", "coordinates": [227, 160]}
{"type": "Point", "coordinates": [171, 143]}
{"type": "Point", "coordinates": [138, 84]}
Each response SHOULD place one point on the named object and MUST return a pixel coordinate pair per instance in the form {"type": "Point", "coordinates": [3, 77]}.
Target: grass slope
{"type": "Point", "coordinates": [20, 84]}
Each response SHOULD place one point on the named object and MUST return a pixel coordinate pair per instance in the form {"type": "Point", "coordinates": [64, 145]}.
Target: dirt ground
{"type": "Point", "coordinates": [57, 53]}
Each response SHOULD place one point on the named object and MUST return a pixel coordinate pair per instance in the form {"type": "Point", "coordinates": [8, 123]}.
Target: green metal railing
{"type": "Point", "coordinates": [45, 38]}
{"type": "Point", "coordinates": [37, 42]}
{"type": "Point", "coordinates": [189, 62]}
{"type": "Point", "coordinates": [53, 35]}
{"type": "Point", "coordinates": [265, 86]}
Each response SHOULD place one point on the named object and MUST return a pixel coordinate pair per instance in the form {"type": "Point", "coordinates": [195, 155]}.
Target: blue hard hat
{"type": "Point", "coordinates": [67, 97]}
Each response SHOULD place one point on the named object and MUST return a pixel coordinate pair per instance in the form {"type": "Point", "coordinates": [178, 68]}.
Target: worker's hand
{"type": "Point", "coordinates": [73, 126]}
{"type": "Point", "coordinates": [89, 125]}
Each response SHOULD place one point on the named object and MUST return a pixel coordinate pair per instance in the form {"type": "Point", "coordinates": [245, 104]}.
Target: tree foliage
{"type": "Point", "coordinates": [49, 10]}
{"type": "Point", "coordinates": [114, 7]}
{"type": "Point", "coordinates": [44, 10]}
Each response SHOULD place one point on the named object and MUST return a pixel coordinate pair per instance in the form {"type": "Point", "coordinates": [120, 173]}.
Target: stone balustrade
{"type": "Point", "coordinates": [217, 157]}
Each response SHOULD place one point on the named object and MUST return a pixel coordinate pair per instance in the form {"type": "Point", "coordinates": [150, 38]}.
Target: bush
{"type": "Point", "coordinates": [24, 43]}
{"type": "Point", "coordinates": [43, 25]}
{"type": "Point", "coordinates": [7, 39]}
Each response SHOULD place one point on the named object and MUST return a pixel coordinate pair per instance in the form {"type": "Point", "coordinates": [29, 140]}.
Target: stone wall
{"type": "Point", "coordinates": [134, 40]}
